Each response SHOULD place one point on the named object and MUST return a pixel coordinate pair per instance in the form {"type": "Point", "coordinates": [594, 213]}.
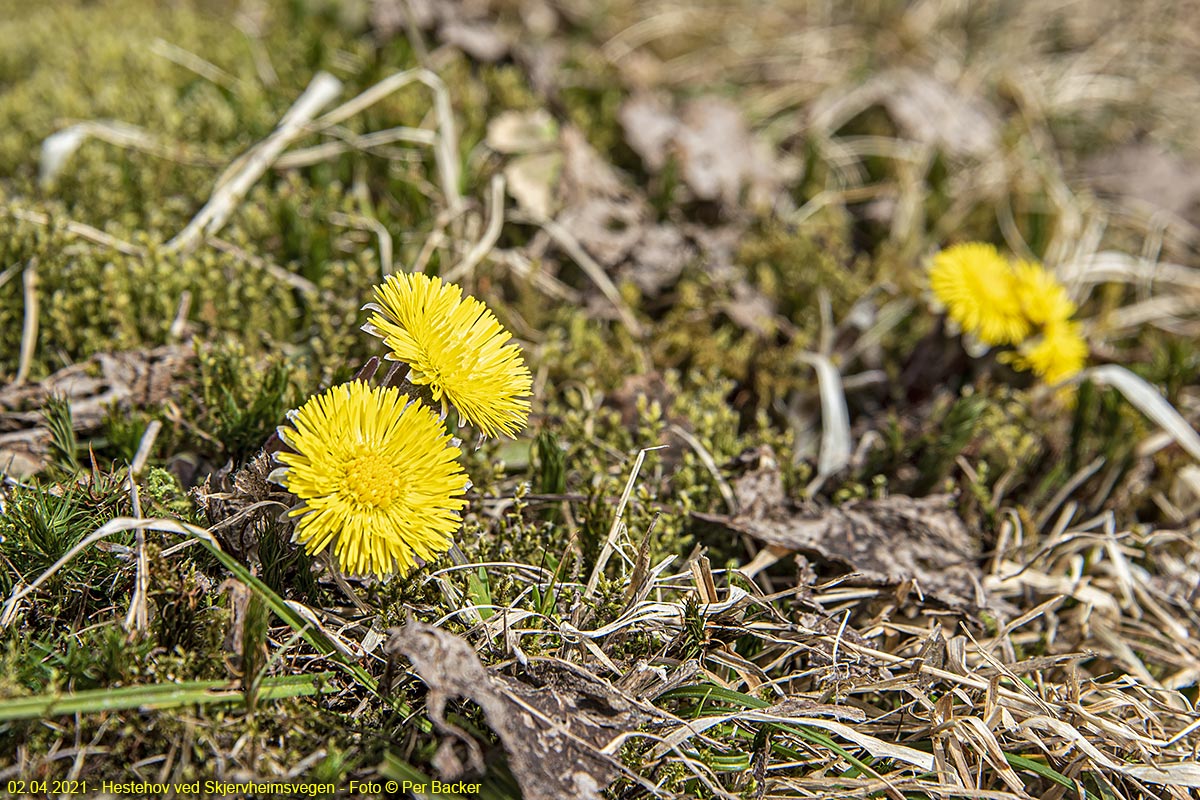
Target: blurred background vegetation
{"type": "Point", "coordinates": [695, 199]}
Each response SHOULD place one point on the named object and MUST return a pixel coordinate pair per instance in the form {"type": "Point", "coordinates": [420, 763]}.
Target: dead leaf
{"type": "Point", "coordinates": [138, 378]}
{"type": "Point", "coordinates": [645, 682]}
{"type": "Point", "coordinates": [532, 176]}
{"type": "Point", "coordinates": [479, 39]}
{"type": "Point", "coordinates": [516, 132]}
{"type": "Point", "coordinates": [531, 181]}
{"type": "Point", "coordinates": [542, 60]}
{"type": "Point", "coordinates": [470, 27]}
{"type": "Point", "coordinates": [143, 377]}
{"type": "Point", "coordinates": [719, 247]}
{"type": "Point", "coordinates": [607, 229]}
{"type": "Point", "coordinates": [751, 310]}
{"type": "Point", "coordinates": [930, 110]}
{"type": "Point", "coordinates": [586, 174]}
{"type": "Point", "coordinates": [554, 719]}
{"type": "Point", "coordinates": [1150, 174]}
{"type": "Point", "coordinates": [387, 18]}
{"type": "Point", "coordinates": [924, 108]}
{"type": "Point", "coordinates": [23, 453]}
{"type": "Point", "coordinates": [237, 504]}
{"type": "Point", "coordinates": [604, 213]}
{"type": "Point", "coordinates": [718, 154]}
{"type": "Point", "coordinates": [884, 541]}
{"type": "Point", "coordinates": [658, 258]}
{"type": "Point", "coordinates": [650, 128]}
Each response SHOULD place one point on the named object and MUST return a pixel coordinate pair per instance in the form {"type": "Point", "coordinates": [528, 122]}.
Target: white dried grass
{"type": "Point", "coordinates": [1150, 402]}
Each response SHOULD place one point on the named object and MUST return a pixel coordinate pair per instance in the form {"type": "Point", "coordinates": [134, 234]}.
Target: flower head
{"type": "Point", "coordinates": [979, 290]}
{"type": "Point", "coordinates": [456, 347]}
{"type": "Point", "coordinates": [378, 477]}
{"type": "Point", "coordinates": [1058, 354]}
{"type": "Point", "coordinates": [1043, 299]}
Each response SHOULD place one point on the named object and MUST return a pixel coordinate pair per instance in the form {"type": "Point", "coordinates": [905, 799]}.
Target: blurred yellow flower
{"type": "Point", "coordinates": [1058, 354]}
{"type": "Point", "coordinates": [456, 347]}
{"type": "Point", "coordinates": [1043, 299]}
{"type": "Point", "coordinates": [978, 287]}
{"type": "Point", "coordinates": [378, 477]}
{"type": "Point", "coordinates": [1021, 304]}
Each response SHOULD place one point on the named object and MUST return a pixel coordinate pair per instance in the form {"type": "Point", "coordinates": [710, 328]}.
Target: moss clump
{"type": "Point", "coordinates": [791, 265]}
{"type": "Point", "coordinates": [602, 442]}
{"type": "Point", "coordinates": [689, 339]}
{"type": "Point", "coordinates": [1009, 434]}
{"type": "Point", "coordinates": [40, 526]}
{"type": "Point", "coordinates": [105, 61]}
{"type": "Point", "coordinates": [164, 497]}
{"type": "Point", "coordinates": [239, 404]}
{"type": "Point", "coordinates": [187, 617]}
{"type": "Point", "coordinates": [93, 300]}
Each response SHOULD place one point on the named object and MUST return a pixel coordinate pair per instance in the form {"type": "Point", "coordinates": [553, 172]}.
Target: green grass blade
{"type": "Point", "coordinates": [158, 696]}
{"type": "Point", "coordinates": [1047, 772]}
{"type": "Point", "coordinates": [314, 637]}
{"type": "Point", "coordinates": [480, 593]}
{"type": "Point", "coordinates": [708, 693]}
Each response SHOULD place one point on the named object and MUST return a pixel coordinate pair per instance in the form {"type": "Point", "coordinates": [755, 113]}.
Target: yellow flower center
{"type": "Point", "coordinates": [371, 480]}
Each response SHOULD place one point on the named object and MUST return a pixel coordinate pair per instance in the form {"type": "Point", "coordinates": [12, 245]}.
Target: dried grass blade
{"type": "Point", "coordinates": [611, 542]}
{"type": "Point", "coordinates": [835, 419]}
{"type": "Point", "coordinates": [240, 176]}
{"type": "Point", "coordinates": [1150, 402]}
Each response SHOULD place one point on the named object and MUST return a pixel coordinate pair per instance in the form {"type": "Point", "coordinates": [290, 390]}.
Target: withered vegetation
{"type": "Point", "coordinates": [775, 530]}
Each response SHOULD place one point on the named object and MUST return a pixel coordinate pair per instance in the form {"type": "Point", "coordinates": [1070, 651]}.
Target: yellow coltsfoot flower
{"type": "Point", "coordinates": [1020, 304]}
{"type": "Point", "coordinates": [1058, 354]}
{"type": "Point", "coordinates": [378, 477]}
{"type": "Point", "coordinates": [1043, 299]}
{"type": "Point", "coordinates": [456, 347]}
{"type": "Point", "coordinates": [978, 287]}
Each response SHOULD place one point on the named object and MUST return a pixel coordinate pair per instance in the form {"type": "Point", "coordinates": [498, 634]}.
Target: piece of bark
{"type": "Point", "coordinates": [554, 718]}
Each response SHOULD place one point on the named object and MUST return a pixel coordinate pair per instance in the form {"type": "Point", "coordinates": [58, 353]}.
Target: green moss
{"type": "Point", "coordinates": [93, 300]}
{"type": "Point", "coordinates": [102, 61]}
{"type": "Point", "coordinates": [40, 526]}
{"type": "Point", "coordinates": [187, 618]}
{"type": "Point", "coordinates": [164, 497]}
{"type": "Point", "coordinates": [688, 339]}
{"type": "Point", "coordinates": [791, 264]}
{"type": "Point", "coordinates": [591, 102]}
{"type": "Point", "coordinates": [1009, 433]}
